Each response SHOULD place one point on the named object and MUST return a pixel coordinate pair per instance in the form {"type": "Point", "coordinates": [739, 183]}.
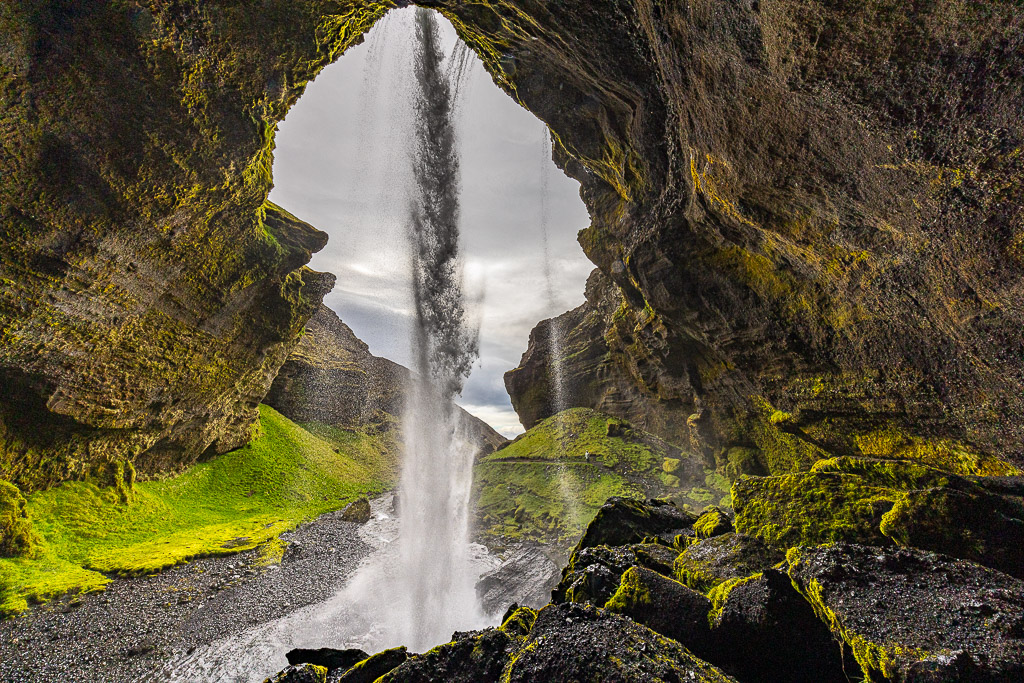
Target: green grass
{"type": "Point", "coordinates": [544, 487]}
{"type": "Point", "coordinates": [234, 502]}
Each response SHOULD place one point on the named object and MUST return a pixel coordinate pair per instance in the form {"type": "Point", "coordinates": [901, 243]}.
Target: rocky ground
{"type": "Point", "coordinates": [128, 632]}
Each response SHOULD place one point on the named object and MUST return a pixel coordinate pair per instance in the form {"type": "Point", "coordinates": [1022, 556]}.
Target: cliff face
{"type": "Point", "coordinates": [148, 291]}
{"type": "Point", "coordinates": [331, 377]}
{"type": "Point", "coordinates": [813, 212]}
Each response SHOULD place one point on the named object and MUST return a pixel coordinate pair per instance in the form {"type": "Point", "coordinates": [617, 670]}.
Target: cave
{"type": "Point", "coordinates": [806, 220]}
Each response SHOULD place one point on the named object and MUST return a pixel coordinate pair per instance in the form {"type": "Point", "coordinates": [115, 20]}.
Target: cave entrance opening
{"type": "Point", "coordinates": [344, 162]}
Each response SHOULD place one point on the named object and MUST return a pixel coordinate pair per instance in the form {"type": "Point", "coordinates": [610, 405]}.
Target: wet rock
{"type": "Point", "coordinates": [910, 615]}
{"type": "Point", "coordinates": [357, 511]}
{"type": "Point", "coordinates": [665, 606]}
{"type": "Point", "coordinates": [621, 521]}
{"type": "Point", "coordinates": [307, 673]}
{"type": "Point", "coordinates": [372, 668]}
{"type": "Point", "coordinates": [330, 659]}
{"type": "Point", "coordinates": [470, 658]}
{"type": "Point", "coordinates": [763, 630]}
{"type": "Point", "coordinates": [526, 577]}
{"type": "Point", "coordinates": [709, 562]}
{"type": "Point", "coordinates": [593, 574]}
{"type": "Point", "coordinates": [582, 643]}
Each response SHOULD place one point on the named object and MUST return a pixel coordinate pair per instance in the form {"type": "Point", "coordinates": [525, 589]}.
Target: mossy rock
{"type": "Point", "coordinates": [16, 536]}
{"type": "Point", "coordinates": [621, 521]}
{"type": "Point", "coordinates": [941, 619]}
{"type": "Point", "coordinates": [306, 673]}
{"type": "Point", "coordinates": [593, 574]}
{"type": "Point", "coordinates": [763, 630]}
{"type": "Point", "coordinates": [470, 658]}
{"type": "Point", "coordinates": [712, 522]}
{"type": "Point", "coordinates": [519, 622]}
{"type": "Point", "coordinates": [665, 606]}
{"type": "Point", "coordinates": [710, 562]}
{"type": "Point", "coordinates": [358, 511]}
{"type": "Point", "coordinates": [812, 508]}
{"type": "Point", "coordinates": [375, 666]}
{"type": "Point", "coordinates": [740, 461]}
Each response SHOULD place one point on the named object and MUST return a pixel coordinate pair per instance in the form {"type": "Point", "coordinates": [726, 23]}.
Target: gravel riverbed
{"type": "Point", "coordinates": [130, 631]}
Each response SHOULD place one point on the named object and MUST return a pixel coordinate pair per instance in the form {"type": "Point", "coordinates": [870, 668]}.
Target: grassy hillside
{"type": "Point", "coordinates": [234, 502]}
{"type": "Point", "coordinates": [548, 484]}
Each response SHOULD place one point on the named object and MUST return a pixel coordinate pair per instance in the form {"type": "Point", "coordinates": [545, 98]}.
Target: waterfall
{"type": "Point", "coordinates": [435, 576]}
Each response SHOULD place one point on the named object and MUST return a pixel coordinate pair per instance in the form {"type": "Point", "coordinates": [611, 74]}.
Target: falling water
{"type": "Point", "coordinates": [439, 586]}
{"type": "Point", "coordinates": [556, 381]}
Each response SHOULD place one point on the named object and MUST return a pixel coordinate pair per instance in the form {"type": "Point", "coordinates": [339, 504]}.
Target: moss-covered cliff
{"type": "Point", "coordinates": [813, 211]}
{"type": "Point", "coordinates": [148, 291]}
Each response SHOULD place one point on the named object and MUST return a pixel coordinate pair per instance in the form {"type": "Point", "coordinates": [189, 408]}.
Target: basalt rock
{"type": "Point", "coordinates": [710, 562]}
{"type": "Point", "coordinates": [306, 673]}
{"type": "Point", "coordinates": [332, 660]}
{"type": "Point", "coordinates": [593, 574]}
{"type": "Point", "coordinates": [622, 521]}
{"type": "Point", "coordinates": [909, 615]}
{"type": "Point", "coordinates": [526, 577]}
{"type": "Point", "coordinates": [357, 511]}
{"type": "Point", "coordinates": [375, 666]}
{"type": "Point", "coordinates": [811, 213]}
{"type": "Point", "coordinates": [331, 377]}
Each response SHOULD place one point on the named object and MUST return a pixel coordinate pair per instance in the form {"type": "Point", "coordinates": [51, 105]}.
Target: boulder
{"type": "Point", "coordinates": [330, 659]}
{"type": "Point", "coordinates": [665, 606]}
{"type": "Point", "coordinates": [709, 562]}
{"type": "Point", "coordinates": [582, 643]}
{"type": "Point", "coordinates": [622, 521]}
{"type": "Point", "coordinates": [910, 615]}
{"type": "Point", "coordinates": [307, 673]}
{"type": "Point", "coordinates": [764, 631]}
{"type": "Point", "coordinates": [357, 511]}
{"type": "Point", "coordinates": [526, 577]}
{"type": "Point", "coordinates": [593, 574]}
{"type": "Point", "coordinates": [713, 521]}
{"type": "Point", "coordinates": [372, 668]}
{"type": "Point", "coordinates": [470, 658]}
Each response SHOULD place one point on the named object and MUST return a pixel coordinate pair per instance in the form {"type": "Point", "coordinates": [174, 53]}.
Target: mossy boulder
{"type": "Point", "coordinates": [707, 563]}
{"type": "Point", "coordinates": [712, 522]}
{"type": "Point", "coordinates": [358, 511]}
{"type": "Point", "coordinates": [593, 574]}
{"type": "Point", "coordinates": [621, 521]}
{"type": "Point", "coordinates": [763, 630]}
{"type": "Point", "coordinates": [583, 643]}
{"type": "Point", "coordinates": [375, 666]}
{"type": "Point", "coordinates": [331, 659]}
{"type": "Point", "coordinates": [910, 615]}
{"type": "Point", "coordinates": [305, 673]}
{"type": "Point", "coordinates": [884, 503]}
{"type": "Point", "coordinates": [470, 658]}
{"type": "Point", "coordinates": [16, 535]}
{"type": "Point", "coordinates": [665, 606]}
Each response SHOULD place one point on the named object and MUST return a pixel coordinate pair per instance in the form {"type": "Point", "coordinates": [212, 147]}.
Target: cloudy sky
{"type": "Point", "coordinates": [342, 165]}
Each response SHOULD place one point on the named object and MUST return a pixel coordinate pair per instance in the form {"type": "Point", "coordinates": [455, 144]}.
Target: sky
{"type": "Point", "coordinates": [342, 165]}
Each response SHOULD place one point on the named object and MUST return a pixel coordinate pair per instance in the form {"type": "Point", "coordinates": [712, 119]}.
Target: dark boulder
{"type": "Point", "coordinates": [665, 606]}
{"type": "Point", "coordinates": [910, 615]}
{"type": "Point", "coordinates": [593, 574]}
{"type": "Point", "coordinates": [622, 521]}
{"type": "Point", "coordinates": [372, 668]}
{"type": "Point", "coordinates": [712, 522]}
{"type": "Point", "coordinates": [330, 659]}
{"type": "Point", "coordinates": [526, 577]}
{"type": "Point", "coordinates": [470, 658]}
{"type": "Point", "coordinates": [582, 643]}
{"type": "Point", "coordinates": [307, 673]}
{"type": "Point", "coordinates": [763, 630]}
{"type": "Point", "coordinates": [709, 562]}
{"type": "Point", "coordinates": [357, 511]}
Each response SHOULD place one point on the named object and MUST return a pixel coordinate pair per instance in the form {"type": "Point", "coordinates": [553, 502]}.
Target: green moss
{"type": "Point", "coordinates": [520, 622]}
{"type": "Point", "coordinates": [944, 454]}
{"type": "Point", "coordinates": [234, 502]}
{"type": "Point", "coordinates": [812, 508]}
{"type": "Point", "coordinates": [16, 536]}
{"type": "Point", "coordinates": [781, 452]}
{"type": "Point", "coordinates": [719, 595]}
{"type": "Point", "coordinates": [549, 483]}
{"type": "Point", "coordinates": [632, 594]}
{"type": "Point", "coordinates": [712, 522]}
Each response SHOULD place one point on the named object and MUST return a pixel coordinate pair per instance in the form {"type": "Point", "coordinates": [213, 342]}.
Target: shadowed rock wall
{"type": "Point", "coordinates": [812, 211]}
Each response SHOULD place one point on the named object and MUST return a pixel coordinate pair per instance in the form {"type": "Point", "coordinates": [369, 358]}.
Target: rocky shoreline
{"type": "Point", "coordinates": [128, 632]}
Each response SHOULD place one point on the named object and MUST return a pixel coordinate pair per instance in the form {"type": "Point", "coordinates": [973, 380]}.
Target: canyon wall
{"type": "Point", "coordinates": [811, 211]}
